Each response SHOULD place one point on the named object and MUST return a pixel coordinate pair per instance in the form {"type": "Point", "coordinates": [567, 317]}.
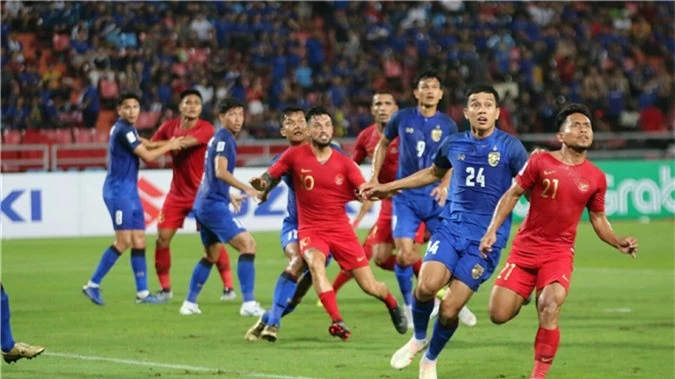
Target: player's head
{"type": "Point", "coordinates": [190, 105]}
{"type": "Point", "coordinates": [320, 126]}
{"type": "Point", "coordinates": [293, 125]}
{"type": "Point", "coordinates": [231, 114]}
{"type": "Point", "coordinates": [482, 107]}
{"type": "Point", "coordinates": [129, 107]}
{"type": "Point", "coordinates": [574, 127]}
{"type": "Point", "coordinates": [383, 106]}
{"type": "Point", "coordinates": [428, 89]}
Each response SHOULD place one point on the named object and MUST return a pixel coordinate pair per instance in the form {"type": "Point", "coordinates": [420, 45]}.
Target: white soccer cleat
{"type": "Point", "coordinates": [404, 356]}
{"type": "Point", "coordinates": [437, 308]}
{"type": "Point", "coordinates": [409, 316]}
{"type": "Point", "coordinates": [189, 308]}
{"type": "Point", "coordinates": [251, 308]}
{"type": "Point", "coordinates": [467, 317]}
{"type": "Point", "coordinates": [427, 368]}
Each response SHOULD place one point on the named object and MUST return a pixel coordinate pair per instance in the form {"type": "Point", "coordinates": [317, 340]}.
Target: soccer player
{"type": "Point", "coordinates": [379, 244]}
{"type": "Point", "coordinates": [188, 168]}
{"type": "Point", "coordinates": [217, 223]}
{"type": "Point", "coordinates": [324, 182]}
{"type": "Point", "coordinates": [120, 193]}
{"type": "Point", "coordinates": [483, 162]}
{"type": "Point", "coordinates": [13, 351]}
{"type": "Point", "coordinates": [560, 185]}
{"type": "Point", "coordinates": [420, 131]}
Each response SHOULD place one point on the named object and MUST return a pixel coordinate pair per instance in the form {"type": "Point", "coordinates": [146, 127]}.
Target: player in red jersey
{"type": "Point", "coordinates": [325, 181]}
{"type": "Point", "coordinates": [380, 243]}
{"type": "Point", "coordinates": [188, 168]}
{"type": "Point", "coordinates": [560, 185]}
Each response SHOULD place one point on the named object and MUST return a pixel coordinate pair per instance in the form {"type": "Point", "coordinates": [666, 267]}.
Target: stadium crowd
{"type": "Point", "coordinates": [616, 57]}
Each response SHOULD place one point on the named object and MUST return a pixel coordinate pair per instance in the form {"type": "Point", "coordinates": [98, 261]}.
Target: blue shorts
{"type": "Point", "coordinates": [126, 213]}
{"type": "Point", "coordinates": [217, 224]}
{"type": "Point", "coordinates": [411, 211]}
{"type": "Point", "coordinates": [461, 256]}
{"type": "Point", "coordinates": [289, 233]}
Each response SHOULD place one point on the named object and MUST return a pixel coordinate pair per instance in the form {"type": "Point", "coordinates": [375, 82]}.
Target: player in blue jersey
{"type": "Point", "coordinates": [120, 193]}
{"type": "Point", "coordinates": [12, 351]}
{"type": "Point", "coordinates": [217, 223]}
{"type": "Point", "coordinates": [483, 162]}
{"type": "Point", "coordinates": [420, 130]}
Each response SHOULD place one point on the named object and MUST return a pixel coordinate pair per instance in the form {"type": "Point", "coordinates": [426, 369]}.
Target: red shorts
{"type": "Point", "coordinates": [524, 272]}
{"type": "Point", "coordinates": [344, 246]}
{"type": "Point", "coordinates": [174, 211]}
{"type": "Point", "coordinates": [381, 232]}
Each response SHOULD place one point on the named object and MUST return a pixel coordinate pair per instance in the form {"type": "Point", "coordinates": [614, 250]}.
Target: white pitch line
{"type": "Point", "coordinates": [172, 366]}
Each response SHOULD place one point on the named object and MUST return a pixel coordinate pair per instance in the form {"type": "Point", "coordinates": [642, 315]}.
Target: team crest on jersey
{"type": "Point", "coordinates": [493, 158]}
{"type": "Point", "coordinates": [339, 179]}
{"type": "Point", "coordinates": [477, 271]}
{"type": "Point", "coordinates": [583, 184]}
{"type": "Point", "coordinates": [437, 133]}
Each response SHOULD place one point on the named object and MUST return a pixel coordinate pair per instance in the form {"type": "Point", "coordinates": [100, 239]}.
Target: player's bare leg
{"type": "Point", "coordinates": [316, 261]}
{"type": "Point", "coordinates": [504, 304]}
{"type": "Point", "coordinates": [433, 276]}
{"type": "Point", "coordinates": [246, 245]}
{"type": "Point", "coordinates": [163, 262]}
{"type": "Point", "coordinates": [366, 280]}
{"type": "Point", "coordinates": [546, 343]}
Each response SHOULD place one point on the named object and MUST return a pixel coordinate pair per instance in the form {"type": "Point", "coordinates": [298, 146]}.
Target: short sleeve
{"type": "Point", "coordinates": [283, 164]}
{"type": "Point", "coordinates": [391, 130]}
{"type": "Point", "coordinates": [359, 154]}
{"type": "Point", "coordinates": [441, 159]}
{"type": "Point", "coordinates": [518, 156]}
{"type": "Point", "coordinates": [527, 176]}
{"type": "Point", "coordinates": [354, 174]}
{"type": "Point", "coordinates": [222, 147]}
{"type": "Point", "coordinates": [597, 201]}
{"type": "Point", "coordinates": [129, 138]}
{"type": "Point", "coordinates": [162, 133]}
{"type": "Point", "coordinates": [204, 133]}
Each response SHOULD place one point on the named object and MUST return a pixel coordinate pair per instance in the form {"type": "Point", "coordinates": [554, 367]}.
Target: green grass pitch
{"type": "Point", "coordinates": [617, 322]}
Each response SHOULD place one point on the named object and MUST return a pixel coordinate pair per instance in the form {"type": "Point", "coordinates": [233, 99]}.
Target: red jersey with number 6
{"type": "Point", "coordinates": [321, 189]}
{"type": "Point", "coordinates": [558, 195]}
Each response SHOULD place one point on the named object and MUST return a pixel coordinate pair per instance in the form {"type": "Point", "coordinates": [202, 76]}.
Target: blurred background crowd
{"type": "Point", "coordinates": [64, 63]}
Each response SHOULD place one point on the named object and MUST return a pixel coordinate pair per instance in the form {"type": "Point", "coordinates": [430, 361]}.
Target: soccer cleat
{"type": "Point", "coordinates": [270, 333]}
{"type": "Point", "coordinates": [339, 329]}
{"type": "Point", "coordinates": [404, 356]}
{"type": "Point", "coordinates": [427, 369]}
{"type": "Point", "coordinates": [251, 308]}
{"type": "Point", "coordinates": [400, 320]}
{"type": "Point", "coordinates": [228, 295]}
{"type": "Point", "coordinates": [409, 317]}
{"type": "Point", "coordinates": [22, 350]}
{"type": "Point", "coordinates": [94, 294]}
{"type": "Point", "coordinates": [467, 317]}
{"type": "Point", "coordinates": [164, 295]}
{"type": "Point", "coordinates": [150, 299]}
{"type": "Point", "coordinates": [255, 333]}
{"type": "Point", "coordinates": [189, 308]}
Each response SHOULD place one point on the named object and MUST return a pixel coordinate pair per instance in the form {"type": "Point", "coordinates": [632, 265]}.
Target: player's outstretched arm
{"type": "Point", "coordinates": [151, 155]}
{"type": "Point", "coordinates": [440, 193]}
{"type": "Point", "coordinates": [602, 227]}
{"type": "Point", "coordinates": [378, 158]}
{"type": "Point", "coordinates": [504, 208]}
{"type": "Point", "coordinates": [266, 183]}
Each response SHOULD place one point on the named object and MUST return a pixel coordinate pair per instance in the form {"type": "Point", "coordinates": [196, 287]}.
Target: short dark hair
{"type": "Point", "coordinates": [188, 92]}
{"type": "Point", "coordinates": [428, 74]}
{"type": "Point", "coordinates": [385, 92]}
{"type": "Point", "coordinates": [287, 111]}
{"type": "Point", "coordinates": [569, 109]}
{"type": "Point", "coordinates": [128, 95]}
{"type": "Point", "coordinates": [478, 88]}
{"type": "Point", "coordinates": [229, 103]}
{"type": "Point", "coordinates": [317, 111]}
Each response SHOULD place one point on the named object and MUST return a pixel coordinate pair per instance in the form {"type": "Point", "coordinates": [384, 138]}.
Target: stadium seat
{"type": "Point", "coordinates": [11, 137]}
{"type": "Point", "coordinates": [60, 42]}
{"type": "Point", "coordinates": [109, 89]}
{"type": "Point", "coordinates": [100, 136]}
{"type": "Point", "coordinates": [60, 136]}
{"type": "Point", "coordinates": [83, 135]}
{"type": "Point", "coordinates": [147, 120]}
{"type": "Point", "coordinates": [179, 69]}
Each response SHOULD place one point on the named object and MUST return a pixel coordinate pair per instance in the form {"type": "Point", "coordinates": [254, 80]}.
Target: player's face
{"type": "Point", "coordinates": [577, 132]}
{"type": "Point", "coordinates": [129, 110]}
{"type": "Point", "coordinates": [294, 127]}
{"type": "Point", "coordinates": [482, 111]}
{"type": "Point", "coordinates": [428, 92]}
{"type": "Point", "coordinates": [191, 107]}
{"type": "Point", "coordinates": [383, 107]}
{"type": "Point", "coordinates": [233, 119]}
{"type": "Point", "coordinates": [321, 130]}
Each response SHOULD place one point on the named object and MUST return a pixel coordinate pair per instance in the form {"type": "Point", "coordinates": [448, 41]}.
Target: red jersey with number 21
{"type": "Point", "coordinates": [321, 189]}
{"type": "Point", "coordinates": [559, 194]}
